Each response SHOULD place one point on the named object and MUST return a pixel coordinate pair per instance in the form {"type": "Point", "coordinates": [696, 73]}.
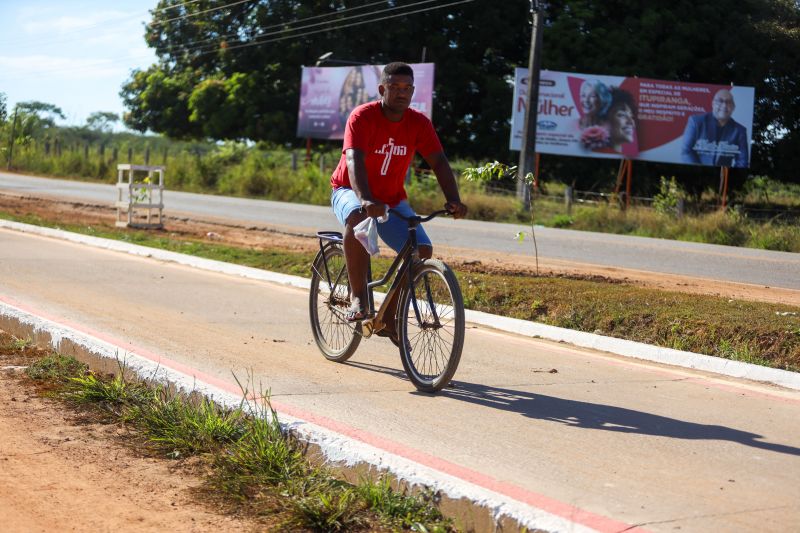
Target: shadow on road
{"type": "Point", "coordinates": [595, 416]}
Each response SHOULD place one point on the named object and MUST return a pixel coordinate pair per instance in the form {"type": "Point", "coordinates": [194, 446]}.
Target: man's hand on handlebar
{"type": "Point", "coordinates": [373, 209]}
{"type": "Point", "coordinates": [457, 209]}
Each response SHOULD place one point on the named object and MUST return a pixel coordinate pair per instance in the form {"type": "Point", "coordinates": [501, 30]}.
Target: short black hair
{"type": "Point", "coordinates": [396, 67]}
{"type": "Point", "coordinates": [620, 97]}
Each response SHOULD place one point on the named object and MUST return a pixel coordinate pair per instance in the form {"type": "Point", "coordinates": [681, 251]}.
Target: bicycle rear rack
{"type": "Point", "coordinates": [331, 236]}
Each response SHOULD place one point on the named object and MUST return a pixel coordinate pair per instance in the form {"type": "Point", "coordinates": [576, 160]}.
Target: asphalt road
{"type": "Point", "coordinates": [725, 263]}
{"type": "Point", "coordinates": [636, 443]}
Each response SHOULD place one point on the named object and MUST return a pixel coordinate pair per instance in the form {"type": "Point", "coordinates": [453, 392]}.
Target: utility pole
{"type": "Point", "coordinates": [11, 139]}
{"type": "Point", "coordinates": [528, 150]}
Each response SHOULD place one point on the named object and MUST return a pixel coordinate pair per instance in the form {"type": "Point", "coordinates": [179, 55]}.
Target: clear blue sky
{"type": "Point", "coordinates": [75, 54]}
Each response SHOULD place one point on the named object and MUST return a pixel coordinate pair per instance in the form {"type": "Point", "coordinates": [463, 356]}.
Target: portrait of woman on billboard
{"type": "Point", "coordinates": [359, 87]}
{"type": "Point", "coordinates": [621, 119]}
{"type": "Point", "coordinates": [608, 122]}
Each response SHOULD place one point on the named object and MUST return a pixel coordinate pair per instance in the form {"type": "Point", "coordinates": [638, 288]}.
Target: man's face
{"type": "Point", "coordinates": [722, 106]}
{"type": "Point", "coordinates": [396, 92]}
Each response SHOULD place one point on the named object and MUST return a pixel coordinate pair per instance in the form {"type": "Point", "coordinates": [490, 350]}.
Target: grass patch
{"type": "Point", "coordinates": [255, 464]}
{"type": "Point", "coordinates": [54, 367]}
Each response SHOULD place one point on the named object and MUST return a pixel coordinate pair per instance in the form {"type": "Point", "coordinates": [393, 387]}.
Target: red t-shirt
{"type": "Point", "coordinates": [388, 149]}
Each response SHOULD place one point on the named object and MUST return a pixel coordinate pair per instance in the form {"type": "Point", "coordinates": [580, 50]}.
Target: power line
{"type": "Point", "coordinates": [216, 46]}
{"type": "Point", "coordinates": [256, 43]}
{"type": "Point", "coordinates": [282, 24]}
{"type": "Point", "coordinates": [102, 23]}
{"type": "Point", "coordinates": [188, 48]}
{"type": "Point", "coordinates": [159, 23]}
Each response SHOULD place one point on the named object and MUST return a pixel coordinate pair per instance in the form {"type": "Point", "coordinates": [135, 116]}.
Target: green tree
{"type": "Point", "coordinates": [35, 119]}
{"type": "Point", "coordinates": [221, 74]}
{"type": "Point", "coordinates": [102, 121]}
{"type": "Point", "coordinates": [753, 43]}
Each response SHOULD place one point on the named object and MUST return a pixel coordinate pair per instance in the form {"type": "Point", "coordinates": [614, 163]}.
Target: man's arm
{"type": "Point", "coordinates": [688, 155]}
{"type": "Point", "coordinates": [447, 181]}
{"type": "Point", "coordinates": [357, 170]}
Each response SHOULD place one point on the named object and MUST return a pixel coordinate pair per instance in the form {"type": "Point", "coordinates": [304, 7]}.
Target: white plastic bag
{"type": "Point", "coordinates": [366, 232]}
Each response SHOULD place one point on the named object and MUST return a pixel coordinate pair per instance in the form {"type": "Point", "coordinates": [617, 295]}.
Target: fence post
{"type": "Point", "coordinates": [294, 161]}
{"type": "Point", "coordinates": [86, 151]}
{"type": "Point", "coordinates": [147, 156]}
{"type": "Point", "coordinates": [47, 148]}
{"type": "Point", "coordinates": [130, 155]}
{"type": "Point", "coordinates": [166, 153]}
{"type": "Point", "coordinates": [680, 209]}
{"type": "Point", "coordinates": [568, 199]}
{"type": "Point", "coordinates": [114, 153]}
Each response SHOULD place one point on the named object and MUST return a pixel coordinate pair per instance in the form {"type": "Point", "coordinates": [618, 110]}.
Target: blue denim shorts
{"type": "Point", "coordinates": [394, 232]}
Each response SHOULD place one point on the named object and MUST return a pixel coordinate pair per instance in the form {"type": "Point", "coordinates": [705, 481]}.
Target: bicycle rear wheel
{"type": "Point", "coordinates": [431, 326]}
{"type": "Point", "coordinates": [328, 303]}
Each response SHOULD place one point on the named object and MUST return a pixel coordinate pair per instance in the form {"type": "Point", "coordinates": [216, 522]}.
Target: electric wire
{"type": "Point", "coordinates": [360, 23]}
{"type": "Point", "coordinates": [282, 24]}
{"type": "Point", "coordinates": [188, 48]}
{"type": "Point", "coordinates": [22, 44]}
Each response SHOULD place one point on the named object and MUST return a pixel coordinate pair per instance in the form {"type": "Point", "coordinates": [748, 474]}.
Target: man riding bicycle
{"type": "Point", "coordinates": [380, 140]}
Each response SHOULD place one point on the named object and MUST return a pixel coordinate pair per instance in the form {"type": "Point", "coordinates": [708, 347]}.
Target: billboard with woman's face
{"type": "Point", "coordinates": [329, 94]}
{"type": "Point", "coordinates": [637, 118]}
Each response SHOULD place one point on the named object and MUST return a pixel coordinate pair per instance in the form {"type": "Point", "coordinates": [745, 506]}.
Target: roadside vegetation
{"type": "Point", "coordinates": [763, 214]}
{"type": "Point", "coordinates": [759, 333]}
{"type": "Point", "coordinates": [252, 464]}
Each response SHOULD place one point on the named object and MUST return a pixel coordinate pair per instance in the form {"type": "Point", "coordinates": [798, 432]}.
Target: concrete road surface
{"type": "Point", "coordinates": [741, 265]}
{"type": "Point", "coordinates": [638, 444]}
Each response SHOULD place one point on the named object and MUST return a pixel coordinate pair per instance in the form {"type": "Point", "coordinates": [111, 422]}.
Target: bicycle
{"type": "Point", "coordinates": [429, 318]}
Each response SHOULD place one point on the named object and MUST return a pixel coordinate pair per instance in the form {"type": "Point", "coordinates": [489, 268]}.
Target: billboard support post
{"type": "Point", "coordinates": [625, 172]}
{"type": "Point", "coordinates": [723, 175]}
{"type": "Point", "coordinates": [528, 149]}
{"type": "Point", "coordinates": [308, 149]}
{"type": "Point", "coordinates": [629, 179]}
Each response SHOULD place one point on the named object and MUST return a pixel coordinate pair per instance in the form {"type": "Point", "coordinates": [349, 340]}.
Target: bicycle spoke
{"type": "Point", "coordinates": [330, 298]}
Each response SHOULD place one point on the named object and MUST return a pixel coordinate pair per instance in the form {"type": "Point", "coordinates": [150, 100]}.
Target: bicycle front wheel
{"type": "Point", "coordinates": [431, 326]}
{"type": "Point", "coordinates": [329, 302]}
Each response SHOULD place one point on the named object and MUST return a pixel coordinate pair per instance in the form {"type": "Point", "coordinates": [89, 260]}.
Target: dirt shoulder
{"type": "Point", "coordinates": [239, 234]}
{"type": "Point", "coordinates": [62, 470]}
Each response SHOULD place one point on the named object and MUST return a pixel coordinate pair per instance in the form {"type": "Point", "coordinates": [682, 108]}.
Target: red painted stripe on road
{"type": "Point", "coordinates": [550, 505]}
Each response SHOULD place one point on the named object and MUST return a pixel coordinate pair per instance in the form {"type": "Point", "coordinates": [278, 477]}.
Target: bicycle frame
{"type": "Point", "coordinates": [402, 265]}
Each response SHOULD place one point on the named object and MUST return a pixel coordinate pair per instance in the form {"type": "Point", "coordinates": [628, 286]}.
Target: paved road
{"type": "Point", "coordinates": [637, 443]}
{"type": "Point", "coordinates": [759, 267]}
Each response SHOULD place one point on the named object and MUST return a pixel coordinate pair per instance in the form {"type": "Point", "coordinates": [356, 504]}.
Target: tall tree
{"type": "Point", "coordinates": [223, 74]}
{"type": "Point", "coordinates": [102, 121]}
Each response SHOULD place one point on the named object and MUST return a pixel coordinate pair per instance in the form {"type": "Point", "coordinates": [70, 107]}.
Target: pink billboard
{"type": "Point", "coordinates": [329, 94]}
{"type": "Point", "coordinates": [638, 118]}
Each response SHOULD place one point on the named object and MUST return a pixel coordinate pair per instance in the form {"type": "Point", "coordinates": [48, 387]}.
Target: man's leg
{"type": "Point", "coordinates": [347, 208]}
{"type": "Point", "coordinates": [357, 260]}
{"type": "Point", "coordinates": [395, 233]}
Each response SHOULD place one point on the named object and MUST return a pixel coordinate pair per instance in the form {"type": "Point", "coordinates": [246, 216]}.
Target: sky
{"type": "Point", "coordinates": [75, 54]}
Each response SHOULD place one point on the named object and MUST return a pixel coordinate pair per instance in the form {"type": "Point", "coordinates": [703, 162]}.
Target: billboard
{"type": "Point", "coordinates": [636, 118]}
{"type": "Point", "coordinates": [328, 94]}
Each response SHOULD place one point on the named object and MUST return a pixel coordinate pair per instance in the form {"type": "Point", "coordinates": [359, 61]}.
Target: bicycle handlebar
{"type": "Point", "coordinates": [421, 218]}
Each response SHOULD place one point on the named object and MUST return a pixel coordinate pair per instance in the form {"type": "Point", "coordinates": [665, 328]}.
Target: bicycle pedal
{"type": "Point", "coordinates": [367, 328]}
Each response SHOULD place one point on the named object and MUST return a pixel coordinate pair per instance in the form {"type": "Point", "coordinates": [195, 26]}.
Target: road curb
{"type": "Point", "coordinates": [626, 348]}
{"type": "Point", "coordinates": [469, 501]}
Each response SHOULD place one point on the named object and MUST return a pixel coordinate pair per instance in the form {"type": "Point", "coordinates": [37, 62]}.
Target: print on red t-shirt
{"type": "Point", "coordinates": [388, 149]}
